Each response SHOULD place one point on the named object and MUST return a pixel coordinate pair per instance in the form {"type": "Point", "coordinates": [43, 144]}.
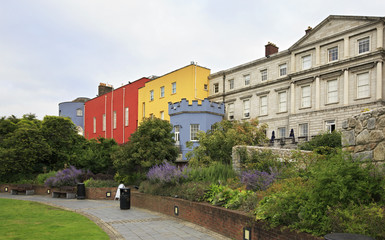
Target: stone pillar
{"type": "Point", "coordinates": [317, 93]}
{"type": "Point", "coordinates": [292, 61]}
{"type": "Point", "coordinates": [380, 36]}
{"type": "Point", "coordinates": [292, 98]}
{"type": "Point", "coordinates": [379, 81]}
{"type": "Point", "coordinates": [346, 47]}
{"type": "Point", "coordinates": [346, 87]}
{"type": "Point", "coordinates": [317, 55]}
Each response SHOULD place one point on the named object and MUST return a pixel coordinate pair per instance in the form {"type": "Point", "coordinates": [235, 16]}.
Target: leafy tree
{"type": "Point", "coordinates": [150, 145]}
{"type": "Point", "coordinates": [216, 145]}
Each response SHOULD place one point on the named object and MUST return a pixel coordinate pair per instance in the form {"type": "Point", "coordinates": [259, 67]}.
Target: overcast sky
{"type": "Point", "coordinates": [56, 51]}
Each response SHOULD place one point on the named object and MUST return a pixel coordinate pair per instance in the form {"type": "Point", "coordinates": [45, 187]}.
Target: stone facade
{"type": "Point", "coordinates": [364, 135]}
{"type": "Point", "coordinates": [333, 72]}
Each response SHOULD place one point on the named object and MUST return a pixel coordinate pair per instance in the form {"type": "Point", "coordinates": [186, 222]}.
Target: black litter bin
{"type": "Point", "coordinates": [346, 236]}
{"type": "Point", "coordinates": [81, 191]}
{"type": "Point", "coordinates": [125, 196]}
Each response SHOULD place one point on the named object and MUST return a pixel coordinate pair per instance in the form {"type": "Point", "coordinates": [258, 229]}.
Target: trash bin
{"type": "Point", "coordinates": [81, 191]}
{"type": "Point", "coordinates": [346, 236]}
{"type": "Point", "coordinates": [125, 197]}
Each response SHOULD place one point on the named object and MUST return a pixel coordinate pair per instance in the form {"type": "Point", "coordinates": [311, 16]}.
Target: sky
{"type": "Point", "coordinates": [53, 51]}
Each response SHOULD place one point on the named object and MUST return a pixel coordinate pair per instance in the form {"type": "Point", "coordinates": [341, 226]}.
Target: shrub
{"type": "Point", "coordinates": [214, 173]}
{"type": "Point", "coordinates": [221, 195]}
{"type": "Point", "coordinates": [66, 177]}
{"type": "Point", "coordinates": [257, 180]}
{"type": "Point", "coordinates": [264, 160]}
{"type": "Point", "coordinates": [41, 178]}
{"type": "Point", "coordinates": [325, 143]}
{"type": "Point", "coordinates": [166, 173]}
{"type": "Point", "coordinates": [100, 183]}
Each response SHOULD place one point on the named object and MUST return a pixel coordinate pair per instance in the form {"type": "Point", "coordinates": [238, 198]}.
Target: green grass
{"type": "Point", "coordinates": [32, 220]}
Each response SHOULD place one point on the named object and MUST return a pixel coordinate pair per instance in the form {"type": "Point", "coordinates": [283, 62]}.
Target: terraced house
{"type": "Point", "coordinates": [334, 71]}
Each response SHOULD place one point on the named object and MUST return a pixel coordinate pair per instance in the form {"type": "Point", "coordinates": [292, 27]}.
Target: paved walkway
{"type": "Point", "coordinates": [133, 224]}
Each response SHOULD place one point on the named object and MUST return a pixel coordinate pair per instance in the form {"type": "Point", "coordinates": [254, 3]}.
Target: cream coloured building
{"type": "Point", "coordinates": [333, 72]}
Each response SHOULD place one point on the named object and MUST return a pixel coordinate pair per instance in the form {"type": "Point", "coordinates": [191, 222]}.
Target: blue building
{"type": "Point", "coordinates": [75, 111]}
{"type": "Point", "coordinates": [189, 119]}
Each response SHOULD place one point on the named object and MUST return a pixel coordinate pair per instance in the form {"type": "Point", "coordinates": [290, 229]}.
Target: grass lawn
{"type": "Point", "coordinates": [31, 220]}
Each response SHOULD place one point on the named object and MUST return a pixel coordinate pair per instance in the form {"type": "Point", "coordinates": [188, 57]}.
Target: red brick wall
{"type": "Point", "coordinates": [227, 222]}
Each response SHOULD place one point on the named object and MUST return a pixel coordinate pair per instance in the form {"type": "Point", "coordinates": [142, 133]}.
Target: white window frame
{"type": "Point", "coordinates": [143, 110]}
{"type": "Point", "coordinates": [230, 112]}
{"type": "Point", "coordinates": [126, 116]}
{"type": "Point", "coordinates": [333, 54]}
{"type": "Point", "coordinates": [177, 134]}
{"type": "Point", "coordinates": [263, 104]}
{"type": "Point", "coordinates": [231, 84]}
{"type": "Point", "coordinates": [194, 129]}
{"type": "Point", "coordinates": [305, 97]}
{"type": "Point", "coordinates": [162, 91]}
{"type": "Point", "coordinates": [205, 87]}
{"type": "Point", "coordinates": [363, 87]}
{"type": "Point", "coordinates": [282, 101]}
{"type": "Point", "coordinates": [332, 91]}
{"type": "Point", "coordinates": [216, 87]}
{"type": "Point", "coordinates": [330, 125]}
{"type": "Point", "coordinates": [114, 120]}
{"type": "Point", "coordinates": [280, 130]}
{"type": "Point", "coordinates": [246, 79]}
{"type": "Point", "coordinates": [303, 129]}
{"type": "Point", "coordinates": [306, 62]}
{"type": "Point", "coordinates": [264, 75]}
{"type": "Point", "coordinates": [94, 124]}
{"type": "Point", "coordinates": [283, 70]}
{"type": "Point", "coordinates": [246, 108]}
{"type": "Point", "coordinates": [173, 88]}
{"type": "Point", "coordinates": [363, 45]}
{"type": "Point", "coordinates": [104, 122]}
{"type": "Point", "coordinates": [79, 112]}
{"type": "Point", "coordinates": [162, 115]}
{"type": "Point", "coordinates": [152, 95]}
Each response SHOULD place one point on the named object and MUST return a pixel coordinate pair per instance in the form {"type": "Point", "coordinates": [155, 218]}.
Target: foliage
{"type": "Point", "coordinates": [150, 145]}
{"type": "Point", "coordinates": [41, 178]}
{"type": "Point", "coordinates": [92, 183]}
{"type": "Point", "coordinates": [66, 177]}
{"type": "Point", "coordinates": [324, 143]}
{"type": "Point", "coordinates": [166, 173]}
{"type": "Point", "coordinates": [221, 195]}
{"type": "Point", "coordinates": [35, 221]}
{"type": "Point", "coordinates": [262, 160]}
{"type": "Point", "coordinates": [216, 145]}
{"type": "Point", "coordinates": [214, 173]}
{"type": "Point", "coordinates": [257, 180]}
{"type": "Point", "coordinates": [357, 218]}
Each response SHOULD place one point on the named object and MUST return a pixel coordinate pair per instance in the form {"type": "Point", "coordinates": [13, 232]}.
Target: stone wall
{"type": "Point", "coordinates": [364, 135]}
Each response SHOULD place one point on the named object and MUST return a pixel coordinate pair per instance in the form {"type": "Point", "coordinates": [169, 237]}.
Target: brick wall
{"type": "Point", "coordinates": [227, 222]}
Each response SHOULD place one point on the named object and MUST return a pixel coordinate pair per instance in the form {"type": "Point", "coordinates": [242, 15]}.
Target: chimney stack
{"type": "Point", "coordinates": [104, 88]}
{"type": "Point", "coordinates": [308, 29]}
{"type": "Point", "coordinates": [270, 48]}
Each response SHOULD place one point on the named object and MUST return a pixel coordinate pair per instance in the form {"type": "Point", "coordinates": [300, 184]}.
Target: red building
{"type": "Point", "coordinates": [113, 113]}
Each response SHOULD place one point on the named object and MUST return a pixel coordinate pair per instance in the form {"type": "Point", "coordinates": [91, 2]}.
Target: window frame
{"type": "Point", "coordinates": [333, 54]}
{"type": "Point", "coordinates": [246, 79]}
{"type": "Point", "coordinates": [263, 108]}
{"type": "Point", "coordinates": [280, 102]}
{"type": "Point", "coordinates": [162, 91]}
{"type": "Point", "coordinates": [300, 130]}
{"type": "Point", "coordinates": [114, 120]}
{"type": "Point", "coordinates": [94, 122]}
{"type": "Point", "coordinates": [151, 95]}
{"type": "Point", "coordinates": [281, 68]}
{"type": "Point", "coordinates": [303, 97]}
{"type": "Point", "coordinates": [173, 88]}
{"type": "Point", "coordinates": [216, 87]}
{"type": "Point", "coordinates": [330, 93]}
{"type": "Point", "coordinates": [230, 112]}
{"type": "Point", "coordinates": [194, 129]}
{"type": "Point", "coordinates": [231, 84]}
{"type": "Point", "coordinates": [264, 75]}
{"type": "Point", "coordinates": [361, 49]}
{"type": "Point", "coordinates": [104, 122]}
{"type": "Point", "coordinates": [306, 64]}
{"type": "Point", "coordinates": [330, 125]}
{"type": "Point", "coordinates": [246, 111]}
{"type": "Point", "coordinates": [162, 115]}
{"type": "Point", "coordinates": [367, 85]}
{"type": "Point", "coordinates": [126, 116]}
{"type": "Point", "coordinates": [280, 132]}
{"type": "Point", "coordinates": [79, 112]}
{"type": "Point", "coordinates": [177, 134]}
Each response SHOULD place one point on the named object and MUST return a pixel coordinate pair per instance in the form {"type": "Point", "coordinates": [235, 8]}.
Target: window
{"type": "Point", "coordinates": [247, 79]}
{"type": "Point", "coordinates": [177, 134]}
{"type": "Point", "coordinates": [264, 75]}
{"type": "Point", "coordinates": [173, 87]}
{"type": "Point", "coordinates": [283, 70]}
{"type": "Point", "coordinates": [306, 62]}
{"type": "Point", "coordinates": [162, 91]}
{"type": "Point", "coordinates": [152, 95]}
{"type": "Point", "coordinates": [246, 108]}
{"type": "Point", "coordinates": [162, 115]}
{"type": "Point", "coordinates": [151, 115]}
{"type": "Point", "coordinates": [126, 116]}
{"type": "Point", "coordinates": [205, 87]}
{"type": "Point", "coordinates": [282, 106]}
{"type": "Point", "coordinates": [333, 54]}
{"type": "Point", "coordinates": [144, 110]}
{"type": "Point", "coordinates": [303, 130]}
{"type": "Point", "coordinates": [194, 129]}
{"type": "Point", "coordinates": [104, 122]}
{"type": "Point", "coordinates": [263, 105]}
{"type": "Point", "coordinates": [216, 87]}
{"type": "Point", "coordinates": [305, 97]}
{"type": "Point", "coordinates": [363, 85]}
{"type": "Point", "coordinates": [281, 132]}
{"type": "Point", "coordinates": [94, 124]}
{"type": "Point", "coordinates": [231, 111]}
{"type": "Point", "coordinates": [114, 122]}
{"type": "Point", "coordinates": [330, 125]}
{"type": "Point", "coordinates": [231, 84]}
{"type": "Point", "coordinates": [363, 45]}
{"type": "Point", "coordinates": [79, 112]}
{"type": "Point", "coordinates": [332, 91]}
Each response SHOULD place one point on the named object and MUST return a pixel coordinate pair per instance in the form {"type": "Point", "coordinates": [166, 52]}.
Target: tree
{"type": "Point", "coordinates": [150, 145]}
{"type": "Point", "coordinates": [216, 145]}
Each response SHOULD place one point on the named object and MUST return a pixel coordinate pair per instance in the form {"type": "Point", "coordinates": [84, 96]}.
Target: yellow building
{"type": "Point", "coordinates": [189, 82]}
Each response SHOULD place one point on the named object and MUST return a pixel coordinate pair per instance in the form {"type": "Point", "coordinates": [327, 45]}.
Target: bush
{"type": "Point", "coordinates": [214, 173]}
{"type": "Point", "coordinates": [92, 183]}
{"type": "Point", "coordinates": [41, 178]}
{"type": "Point", "coordinates": [257, 180]}
{"type": "Point", "coordinates": [221, 195]}
{"type": "Point", "coordinates": [166, 173]}
{"type": "Point", "coordinates": [264, 160]}
{"type": "Point", "coordinates": [325, 143]}
{"type": "Point", "coordinates": [67, 177]}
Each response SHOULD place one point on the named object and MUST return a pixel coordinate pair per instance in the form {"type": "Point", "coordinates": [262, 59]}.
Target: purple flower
{"type": "Point", "coordinates": [66, 177]}
{"type": "Point", "coordinates": [257, 180]}
{"type": "Point", "coordinates": [166, 173]}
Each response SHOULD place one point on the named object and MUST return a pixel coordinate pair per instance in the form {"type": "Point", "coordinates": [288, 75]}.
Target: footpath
{"type": "Point", "coordinates": [132, 224]}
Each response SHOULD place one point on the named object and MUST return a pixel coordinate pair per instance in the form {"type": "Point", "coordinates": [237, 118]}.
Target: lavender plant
{"type": "Point", "coordinates": [66, 177]}
{"type": "Point", "coordinates": [257, 180]}
{"type": "Point", "coordinates": [167, 173]}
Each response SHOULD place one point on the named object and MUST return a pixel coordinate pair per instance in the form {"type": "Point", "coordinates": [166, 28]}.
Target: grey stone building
{"type": "Point", "coordinates": [334, 71]}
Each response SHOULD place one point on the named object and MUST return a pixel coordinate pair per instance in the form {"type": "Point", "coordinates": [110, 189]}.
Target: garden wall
{"type": "Point", "coordinates": [227, 222]}
{"type": "Point", "coordinates": [364, 135]}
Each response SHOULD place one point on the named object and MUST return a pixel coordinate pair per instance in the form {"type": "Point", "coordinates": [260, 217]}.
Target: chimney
{"type": "Point", "coordinates": [308, 29]}
{"type": "Point", "coordinates": [270, 49]}
{"type": "Point", "coordinates": [104, 88]}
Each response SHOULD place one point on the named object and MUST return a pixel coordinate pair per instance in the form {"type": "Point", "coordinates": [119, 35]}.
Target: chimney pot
{"type": "Point", "coordinates": [270, 48]}
{"type": "Point", "coordinates": [308, 29]}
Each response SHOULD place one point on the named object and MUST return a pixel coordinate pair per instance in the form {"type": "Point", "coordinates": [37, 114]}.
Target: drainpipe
{"type": "Point", "coordinates": [224, 85]}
